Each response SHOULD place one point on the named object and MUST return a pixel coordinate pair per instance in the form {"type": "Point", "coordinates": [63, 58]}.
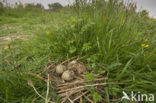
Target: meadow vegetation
{"type": "Point", "coordinates": [113, 38]}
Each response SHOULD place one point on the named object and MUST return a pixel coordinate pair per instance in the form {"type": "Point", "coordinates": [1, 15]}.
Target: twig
{"type": "Point", "coordinates": [66, 94]}
{"type": "Point", "coordinates": [32, 85]}
{"type": "Point", "coordinates": [48, 67]}
{"type": "Point", "coordinates": [68, 60]}
{"type": "Point", "coordinates": [69, 94]}
{"type": "Point", "coordinates": [88, 99]}
{"type": "Point", "coordinates": [67, 84]}
{"type": "Point", "coordinates": [79, 82]}
{"type": "Point", "coordinates": [80, 100]}
{"type": "Point", "coordinates": [46, 101]}
{"type": "Point", "coordinates": [79, 58]}
{"type": "Point", "coordinates": [80, 96]}
{"type": "Point", "coordinates": [99, 84]}
{"type": "Point", "coordinates": [100, 73]}
{"type": "Point", "coordinates": [70, 100]}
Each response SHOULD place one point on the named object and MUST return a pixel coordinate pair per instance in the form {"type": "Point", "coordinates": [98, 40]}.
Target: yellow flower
{"type": "Point", "coordinates": [143, 45]}
{"type": "Point", "coordinates": [6, 48]}
{"type": "Point", "coordinates": [48, 33]}
{"type": "Point", "coordinates": [146, 40]}
{"type": "Point", "coordinates": [146, 46]}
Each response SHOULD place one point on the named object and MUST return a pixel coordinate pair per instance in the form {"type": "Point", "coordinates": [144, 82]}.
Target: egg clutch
{"type": "Point", "coordinates": [69, 71]}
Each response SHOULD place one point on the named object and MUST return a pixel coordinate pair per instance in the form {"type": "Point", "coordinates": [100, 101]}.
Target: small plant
{"type": "Point", "coordinates": [90, 76]}
{"type": "Point", "coordinates": [86, 47]}
{"type": "Point", "coordinates": [72, 50]}
{"type": "Point", "coordinates": [97, 97]}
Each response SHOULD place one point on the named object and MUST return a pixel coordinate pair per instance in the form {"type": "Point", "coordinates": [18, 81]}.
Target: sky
{"type": "Point", "coordinates": [149, 5]}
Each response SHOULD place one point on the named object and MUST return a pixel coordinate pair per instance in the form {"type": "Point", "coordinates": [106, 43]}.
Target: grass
{"type": "Point", "coordinates": [110, 35]}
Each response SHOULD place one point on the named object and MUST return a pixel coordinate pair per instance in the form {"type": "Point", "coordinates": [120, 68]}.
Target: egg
{"type": "Point", "coordinates": [60, 69]}
{"type": "Point", "coordinates": [77, 67]}
{"type": "Point", "coordinates": [68, 75]}
{"type": "Point", "coordinates": [73, 65]}
{"type": "Point", "coordinates": [80, 69]}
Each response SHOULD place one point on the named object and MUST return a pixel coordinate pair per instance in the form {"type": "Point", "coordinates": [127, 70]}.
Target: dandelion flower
{"type": "Point", "coordinates": [6, 48]}
{"type": "Point", "coordinates": [143, 45]}
{"type": "Point", "coordinates": [146, 46]}
{"type": "Point", "coordinates": [146, 40]}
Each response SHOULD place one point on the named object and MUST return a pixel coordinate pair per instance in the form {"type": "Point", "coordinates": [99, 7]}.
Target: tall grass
{"type": "Point", "coordinates": [110, 35]}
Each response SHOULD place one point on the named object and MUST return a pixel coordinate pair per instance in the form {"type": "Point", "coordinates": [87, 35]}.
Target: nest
{"type": "Point", "coordinates": [77, 90]}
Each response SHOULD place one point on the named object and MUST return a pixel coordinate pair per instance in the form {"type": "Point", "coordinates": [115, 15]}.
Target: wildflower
{"type": "Point", "coordinates": [6, 48]}
{"type": "Point", "coordinates": [143, 45]}
{"type": "Point", "coordinates": [146, 40]}
{"type": "Point", "coordinates": [47, 33]}
{"type": "Point", "coordinates": [146, 46]}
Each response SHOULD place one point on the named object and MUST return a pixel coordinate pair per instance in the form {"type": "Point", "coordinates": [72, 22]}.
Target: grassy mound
{"type": "Point", "coordinates": [112, 37]}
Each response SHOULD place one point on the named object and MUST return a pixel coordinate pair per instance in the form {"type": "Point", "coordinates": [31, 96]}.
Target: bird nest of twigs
{"type": "Point", "coordinates": [77, 89]}
{"type": "Point", "coordinates": [74, 82]}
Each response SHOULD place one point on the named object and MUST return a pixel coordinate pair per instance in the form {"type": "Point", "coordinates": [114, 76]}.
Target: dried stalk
{"type": "Point", "coordinates": [69, 94]}
{"type": "Point", "coordinates": [47, 68]}
{"type": "Point", "coordinates": [80, 100]}
{"type": "Point", "coordinates": [93, 85]}
{"type": "Point", "coordinates": [88, 99]}
{"type": "Point", "coordinates": [32, 85]}
{"type": "Point", "coordinates": [79, 82]}
{"type": "Point", "coordinates": [79, 87]}
{"type": "Point", "coordinates": [70, 100]}
{"type": "Point", "coordinates": [68, 60]}
{"type": "Point", "coordinates": [80, 96]}
{"type": "Point", "coordinates": [46, 101]}
{"type": "Point", "coordinates": [79, 58]}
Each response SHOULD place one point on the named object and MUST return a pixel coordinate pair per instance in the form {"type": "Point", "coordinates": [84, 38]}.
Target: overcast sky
{"type": "Point", "coordinates": [149, 5]}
